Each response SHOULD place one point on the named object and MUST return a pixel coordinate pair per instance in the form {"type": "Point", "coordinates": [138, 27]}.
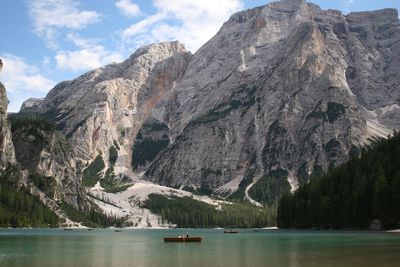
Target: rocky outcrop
{"type": "Point", "coordinates": [31, 105]}
{"type": "Point", "coordinates": [44, 154]}
{"type": "Point", "coordinates": [6, 146]}
{"type": "Point", "coordinates": [281, 92]}
{"type": "Point", "coordinates": [106, 107]}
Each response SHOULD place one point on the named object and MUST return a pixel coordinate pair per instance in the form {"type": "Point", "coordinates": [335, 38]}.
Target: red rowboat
{"type": "Point", "coordinates": [183, 239]}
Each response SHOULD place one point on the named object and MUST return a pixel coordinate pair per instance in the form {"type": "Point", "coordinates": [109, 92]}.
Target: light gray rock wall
{"type": "Point", "coordinates": [6, 146]}
{"type": "Point", "coordinates": [31, 105]}
{"type": "Point", "coordinates": [286, 88]}
{"type": "Point", "coordinates": [41, 150]}
{"type": "Point", "coordinates": [109, 104]}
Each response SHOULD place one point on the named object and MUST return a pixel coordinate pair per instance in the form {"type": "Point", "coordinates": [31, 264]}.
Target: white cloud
{"type": "Point", "coordinates": [142, 26]}
{"type": "Point", "coordinates": [89, 55]}
{"type": "Point", "coordinates": [81, 42]}
{"type": "Point", "coordinates": [17, 74]}
{"type": "Point", "coordinates": [22, 80]}
{"type": "Point", "coordinates": [128, 8]}
{"type": "Point", "coordinates": [192, 22]}
{"type": "Point", "coordinates": [49, 16]}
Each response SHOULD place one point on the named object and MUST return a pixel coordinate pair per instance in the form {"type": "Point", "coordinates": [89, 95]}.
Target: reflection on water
{"type": "Point", "coordinates": [293, 253]}
{"type": "Point", "coordinates": [146, 248]}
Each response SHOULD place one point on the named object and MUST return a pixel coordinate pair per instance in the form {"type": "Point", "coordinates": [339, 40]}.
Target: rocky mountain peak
{"type": "Point", "coordinates": [103, 109]}
{"type": "Point", "coordinates": [31, 105]}
{"type": "Point", "coordinates": [288, 7]}
{"type": "Point", "coordinates": [158, 50]}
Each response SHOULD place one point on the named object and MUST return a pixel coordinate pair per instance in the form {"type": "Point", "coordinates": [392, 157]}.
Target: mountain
{"type": "Point", "coordinates": [103, 109]}
{"type": "Point", "coordinates": [279, 94]}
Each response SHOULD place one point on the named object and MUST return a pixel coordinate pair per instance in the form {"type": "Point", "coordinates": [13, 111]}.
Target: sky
{"type": "Point", "coordinates": [44, 42]}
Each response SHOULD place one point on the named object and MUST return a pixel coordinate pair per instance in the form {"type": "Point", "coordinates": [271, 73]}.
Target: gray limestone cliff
{"type": "Point", "coordinates": [6, 146]}
{"type": "Point", "coordinates": [280, 93]}
{"type": "Point", "coordinates": [31, 105]}
{"type": "Point", "coordinates": [44, 154]}
{"type": "Point", "coordinates": [38, 155]}
{"type": "Point", "coordinates": [102, 110]}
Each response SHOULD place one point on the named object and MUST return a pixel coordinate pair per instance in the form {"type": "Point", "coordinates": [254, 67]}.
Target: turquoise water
{"type": "Point", "coordinates": [24, 247]}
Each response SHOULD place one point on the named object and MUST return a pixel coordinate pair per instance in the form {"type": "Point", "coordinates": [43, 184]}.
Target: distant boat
{"type": "Point", "coordinates": [90, 229]}
{"type": "Point", "coordinates": [273, 228]}
{"type": "Point", "coordinates": [67, 229]}
{"type": "Point", "coordinates": [183, 239]}
{"type": "Point", "coordinates": [231, 231]}
{"type": "Point", "coordinates": [118, 230]}
{"type": "Point", "coordinates": [266, 229]}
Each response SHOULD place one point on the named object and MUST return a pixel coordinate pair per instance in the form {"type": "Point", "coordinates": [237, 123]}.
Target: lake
{"type": "Point", "coordinates": [56, 247]}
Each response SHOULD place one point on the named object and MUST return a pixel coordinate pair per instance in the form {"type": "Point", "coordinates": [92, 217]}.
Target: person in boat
{"type": "Point", "coordinates": [187, 234]}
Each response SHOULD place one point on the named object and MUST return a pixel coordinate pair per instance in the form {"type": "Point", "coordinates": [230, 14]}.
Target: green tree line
{"type": "Point", "coordinates": [352, 195]}
{"type": "Point", "coordinates": [18, 208]}
{"type": "Point", "coordinates": [35, 120]}
{"type": "Point", "coordinates": [188, 212]}
{"type": "Point", "coordinates": [92, 217]}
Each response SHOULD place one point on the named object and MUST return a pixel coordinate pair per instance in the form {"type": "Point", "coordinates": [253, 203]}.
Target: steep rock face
{"type": "Point", "coordinates": [105, 107]}
{"type": "Point", "coordinates": [31, 105]}
{"type": "Point", "coordinates": [280, 92]}
{"type": "Point", "coordinates": [373, 66]}
{"type": "Point", "coordinates": [45, 154]}
{"type": "Point", "coordinates": [6, 146]}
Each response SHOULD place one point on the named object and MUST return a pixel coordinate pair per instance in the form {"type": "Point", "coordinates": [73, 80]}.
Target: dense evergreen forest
{"type": "Point", "coordinates": [188, 212]}
{"type": "Point", "coordinates": [92, 217]}
{"type": "Point", "coordinates": [34, 121]}
{"type": "Point", "coordinates": [352, 195]}
{"type": "Point", "coordinates": [18, 208]}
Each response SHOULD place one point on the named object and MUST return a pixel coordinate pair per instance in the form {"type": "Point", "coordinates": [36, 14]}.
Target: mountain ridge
{"type": "Point", "coordinates": [280, 93]}
{"type": "Point", "coordinates": [316, 48]}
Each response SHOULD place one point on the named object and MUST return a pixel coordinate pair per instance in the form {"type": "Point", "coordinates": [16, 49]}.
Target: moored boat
{"type": "Point", "coordinates": [183, 239]}
{"type": "Point", "coordinates": [231, 231]}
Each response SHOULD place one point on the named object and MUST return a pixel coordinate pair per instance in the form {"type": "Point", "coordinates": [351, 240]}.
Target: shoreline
{"type": "Point", "coordinates": [393, 231]}
{"type": "Point", "coordinates": [264, 229]}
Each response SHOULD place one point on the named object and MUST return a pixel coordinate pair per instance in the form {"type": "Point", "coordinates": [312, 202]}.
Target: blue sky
{"type": "Point", "coordinates": [47, 41]}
